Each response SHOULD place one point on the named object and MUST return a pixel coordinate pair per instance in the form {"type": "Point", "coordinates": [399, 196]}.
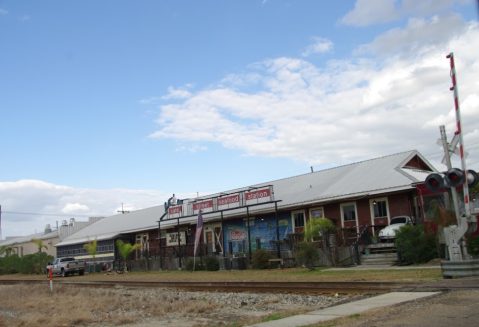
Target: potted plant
{"type": "Point", "coordinates": [374, 239]}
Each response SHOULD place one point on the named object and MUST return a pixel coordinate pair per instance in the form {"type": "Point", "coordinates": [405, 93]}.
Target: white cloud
{"type": "Point", "coordinates": [176, 94]}
{"type": "Point", "coordinates": [28, 205]}
{"type": "Point", "coordinates": [417, 37]}
{"type": "Point", "coordinates": [347, 110]}
{"type": "Point", "coordinates": [150, 100]}
{"type": "Point", "coordinates": [367, 12]}
{"type": "Point", "coordinates": [3, 11]}
{"type": "Point", "coordinates": [74, 207]}
{"type": "Point", "coordinates": [24, 18]}
{"type": "Point", "coordinates": [320, 45]}
{"type": "Point", "coordinates": [191, 149]}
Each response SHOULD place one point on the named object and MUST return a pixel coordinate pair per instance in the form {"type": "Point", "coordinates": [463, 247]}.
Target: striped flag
{"type": "Point", "coordinates": [199, 229]}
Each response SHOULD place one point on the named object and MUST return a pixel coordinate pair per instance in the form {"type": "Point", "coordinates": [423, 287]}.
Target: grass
{"type": "Point", "coordinates": [34, 306]}
{"type": "Point", "coordinates": [292, 274]}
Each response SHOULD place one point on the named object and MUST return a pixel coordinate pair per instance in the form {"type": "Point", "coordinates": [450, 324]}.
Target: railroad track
{"type": "Point", "coordinates": [255, 287]}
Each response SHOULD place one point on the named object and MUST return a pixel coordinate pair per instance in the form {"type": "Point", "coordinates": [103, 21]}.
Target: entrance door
{"type": "Point", "coordinates": [209, 241]}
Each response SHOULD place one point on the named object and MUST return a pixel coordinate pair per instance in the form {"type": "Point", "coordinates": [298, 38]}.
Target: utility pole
{"type": "Point", "coordinates": [122, 211]}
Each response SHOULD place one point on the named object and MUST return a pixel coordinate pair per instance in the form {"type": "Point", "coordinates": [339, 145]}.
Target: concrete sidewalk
{"type": "Point", "coordinates": [347, 309]}
{"type": "Point", "coordinates": [382, 267]}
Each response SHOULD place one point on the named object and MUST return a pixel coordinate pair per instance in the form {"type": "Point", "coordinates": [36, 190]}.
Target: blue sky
{"type": "Point", "coordinates": [110, 102]}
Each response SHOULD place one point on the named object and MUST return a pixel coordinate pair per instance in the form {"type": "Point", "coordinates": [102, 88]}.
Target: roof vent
{"type": "Point", "coordinates": [72, 221]}
{"type": "Point", "coordinates": [64, 223]}
{"type": "Point", "coordinates": [48, 229]}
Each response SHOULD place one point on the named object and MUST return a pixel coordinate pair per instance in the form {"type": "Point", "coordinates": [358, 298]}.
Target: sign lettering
{"type": "Point", "coordinates": [259, 194]}
{"type": "Point", "coordinates": [227, 200]}
{"type": "Point", "coordinates": [203, 205]}
{"type": "Point", "coordinates": [238, 235]}
{"type": "Point", "coordinates": [175, 210]}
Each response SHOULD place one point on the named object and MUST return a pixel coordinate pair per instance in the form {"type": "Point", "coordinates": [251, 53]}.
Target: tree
{"type": "Point", "coordinates": [91, 248]}
{"type": "Point", "coordinates": [39, 243]}
{"type": "Point", "coordinates": [7, 249]}
{"type": "Point", "coordinates": [125, 249]}
{"type": "Point", "coordinates": [317, 227]}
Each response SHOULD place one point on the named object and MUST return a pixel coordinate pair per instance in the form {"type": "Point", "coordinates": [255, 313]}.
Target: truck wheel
{"type": "Point", "coordinates": [64, 273]}
{"type": "Point", "coordinates": [81, 272]}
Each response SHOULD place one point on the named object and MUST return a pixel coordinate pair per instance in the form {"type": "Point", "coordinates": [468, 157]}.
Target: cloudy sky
{"type": "Point", "coordinates": [111, 102]}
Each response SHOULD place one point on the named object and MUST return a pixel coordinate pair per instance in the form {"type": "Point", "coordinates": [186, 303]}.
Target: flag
{"type": "Point", "coordinates": [199, 229]}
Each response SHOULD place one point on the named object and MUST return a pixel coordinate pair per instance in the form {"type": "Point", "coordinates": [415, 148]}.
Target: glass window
{"type": "Point", "coordinates": [380, 209]}
{"type": "Point", "coordinates": [349, 212]}
{"type": "Point", "coordinates": [317, 213]}
{"type": "Point", "coordinates": [298, 219]}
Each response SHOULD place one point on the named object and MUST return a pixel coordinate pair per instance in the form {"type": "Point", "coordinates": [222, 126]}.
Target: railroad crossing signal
{"type": "Point", "coordinates": [452, 148]}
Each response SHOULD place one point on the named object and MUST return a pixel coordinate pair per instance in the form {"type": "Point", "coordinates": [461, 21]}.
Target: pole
{"type": "Point", "coordinates": [445, 145]}
{"type": "Point", "coordinates": [179, 244]}
{"type": "Point", "coordinates": [459, 133]}
{"type": "Point", "coordinates": [465, 187]}
{"type": "Point", "coordinates": [50, 270]}
{"type": "Point", "coordinates": [249, 235]}
{"type": "Point", "coordinates": [223, 234]}
{"type": "Point", "coordinates": [277, 228]}
{"type": "Point", "coordinates": [159, 241]}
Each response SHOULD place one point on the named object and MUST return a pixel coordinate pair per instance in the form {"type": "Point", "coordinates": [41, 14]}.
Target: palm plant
{"type": "Point", "coordinates": [7, 249]}
{"type": "Point", "coordinates": [124, 249]}
{"type": "Point", "coordinates": [91, 248]}
{"type": "Point", "coordinates": [39, 243]}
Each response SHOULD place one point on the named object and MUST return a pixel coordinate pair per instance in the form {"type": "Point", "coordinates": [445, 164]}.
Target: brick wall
{"type": "Point", "coordinates": [399, 205]}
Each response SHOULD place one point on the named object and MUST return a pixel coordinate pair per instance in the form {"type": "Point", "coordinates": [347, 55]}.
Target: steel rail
{"type": "Point", "coordinates": [262, 287]}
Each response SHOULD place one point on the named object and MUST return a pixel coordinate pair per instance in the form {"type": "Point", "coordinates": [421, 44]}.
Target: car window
{"type": "Point", "coordinates": [67, 259]}
{"type": "Point", "coordinates": [398, 220]}
{"type": "Point", "coordinates": [55, 262]}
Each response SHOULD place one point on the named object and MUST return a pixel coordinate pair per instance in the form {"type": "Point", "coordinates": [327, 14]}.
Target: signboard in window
{"type": "Point", "coordinates": [172, 238]}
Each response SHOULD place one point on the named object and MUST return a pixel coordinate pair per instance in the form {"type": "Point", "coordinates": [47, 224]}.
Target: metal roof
{"type": "Point", "coordinates": [28, 238]}
{"type": "Point", "coordinates": [361, 179]}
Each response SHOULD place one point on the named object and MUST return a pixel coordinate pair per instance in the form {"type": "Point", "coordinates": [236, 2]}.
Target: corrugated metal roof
{"type": "Point", "coordinates": [26, 239]}
{"type": "Point", "coordinates": [375, 176]}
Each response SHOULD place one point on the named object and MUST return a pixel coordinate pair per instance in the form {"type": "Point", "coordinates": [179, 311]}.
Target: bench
{"type": "Point", "coordinates": [275, 260]}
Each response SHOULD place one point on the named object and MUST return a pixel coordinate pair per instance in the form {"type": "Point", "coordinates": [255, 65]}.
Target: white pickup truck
{"type": "Point", "coordinates": [66, 266]}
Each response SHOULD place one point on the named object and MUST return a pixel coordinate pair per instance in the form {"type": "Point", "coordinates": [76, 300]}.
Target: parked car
{"type": "Point", "coordinates": [66, 266]}
{"type": "Point", "coordinates": [389, 232]}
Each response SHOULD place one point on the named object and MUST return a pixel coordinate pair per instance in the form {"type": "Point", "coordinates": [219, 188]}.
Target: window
{"type": "Point", "coordinates": [316, 213]}
{"type": "Point", "coordinates": [298, 219]}
{"type": "Point", "coordinates": [349, 213]}
{"type": "Point", "coordinates": [380, 209]}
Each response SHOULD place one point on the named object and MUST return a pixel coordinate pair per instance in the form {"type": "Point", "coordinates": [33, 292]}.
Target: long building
{"type": "Point", "coordinates": [361, 195]}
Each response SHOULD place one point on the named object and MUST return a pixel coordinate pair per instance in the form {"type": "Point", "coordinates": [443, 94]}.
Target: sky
{"type": "Point", "coordinates": [114, 102]}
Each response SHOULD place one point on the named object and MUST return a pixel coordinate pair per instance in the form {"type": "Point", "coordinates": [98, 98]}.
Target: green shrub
{"type": "Point", "coordinates": [260, 259]}
{"type": "Point", "coordinates": [212, 263]}
{"type": "Point", "coordinates": [473, 245]}
{"type": "Point", "coordinates": [190, 263]}
{"type": "Point", "coordinates": [307, 255]}
{"type": "Point", "coordinates": [28, 264]}
{"type": "Point", "coordinates": [416, 245]}
{"type": "Point", "coordinates": [10, 264]}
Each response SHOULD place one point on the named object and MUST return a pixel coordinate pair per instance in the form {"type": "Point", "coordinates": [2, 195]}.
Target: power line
{"type": "Point", "coordinates": [44, 214]}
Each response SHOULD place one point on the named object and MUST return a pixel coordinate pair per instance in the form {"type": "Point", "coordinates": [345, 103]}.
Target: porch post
{"type": "Point", "coordinates": [159, 242]}
{"type": "Point", "coordinates": [179, 243]}
{"type": "Point", "coordinates": [223, 234]}
{"type": "Point", "coordinates": [249, 235]}
{"type": "Point", "coordinates": [277, 229]}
